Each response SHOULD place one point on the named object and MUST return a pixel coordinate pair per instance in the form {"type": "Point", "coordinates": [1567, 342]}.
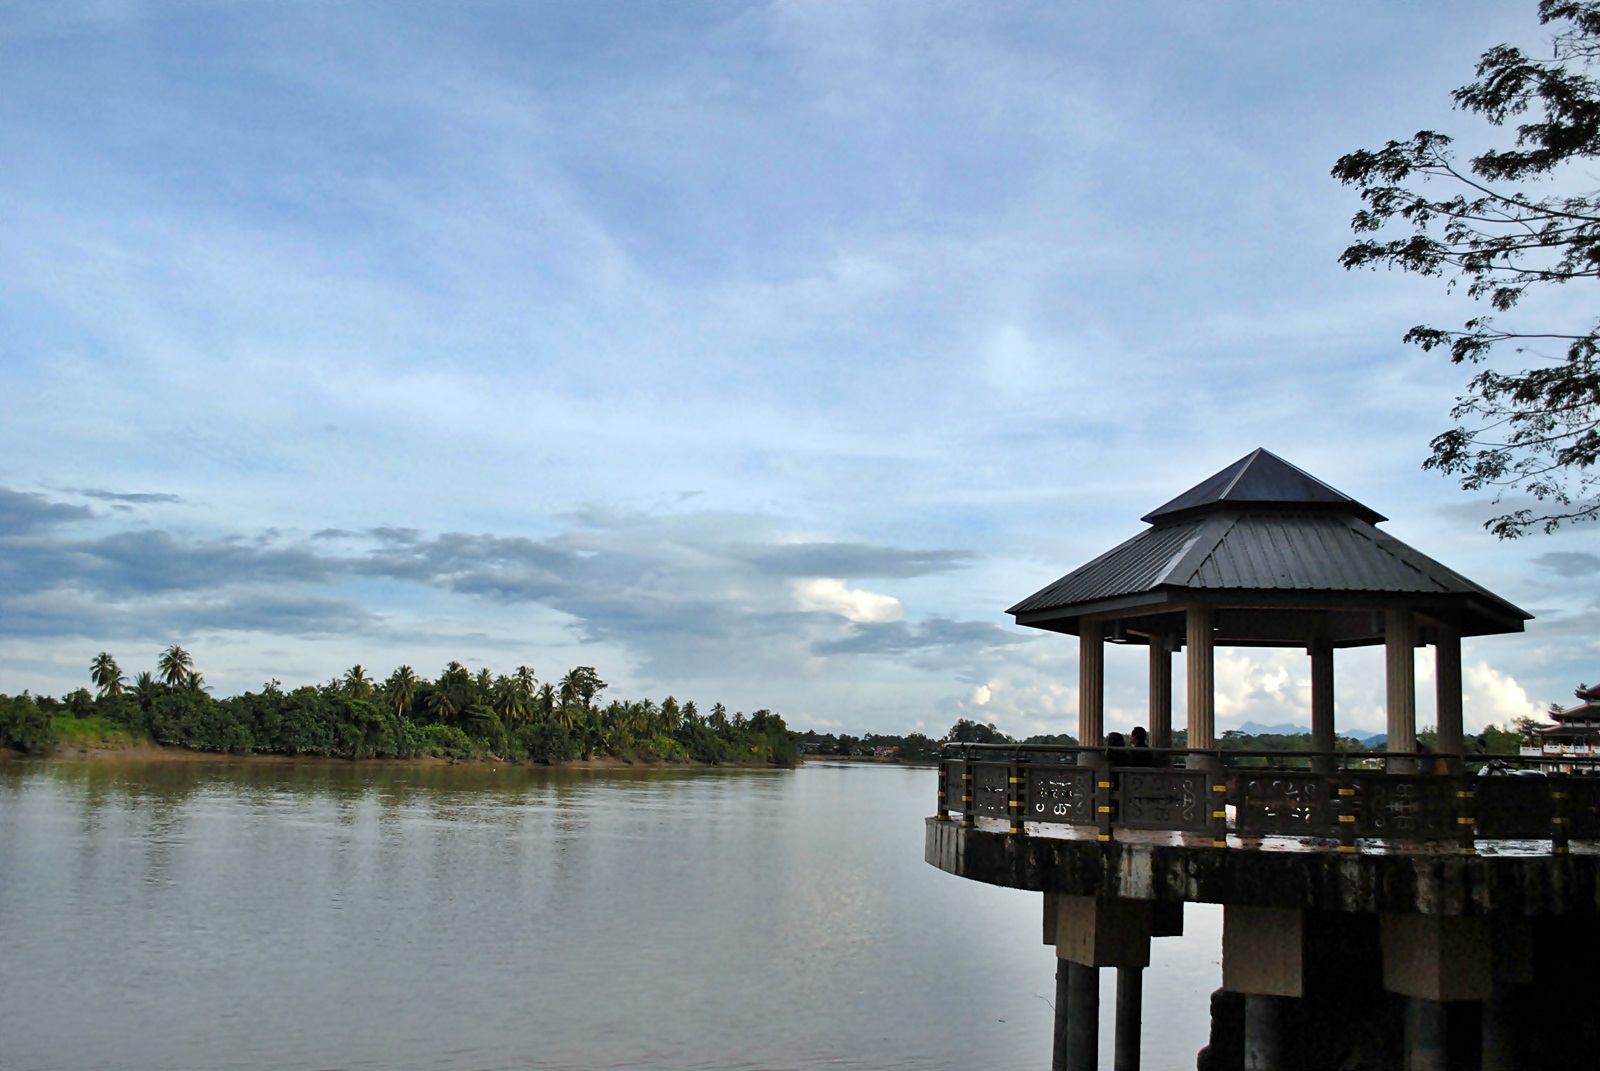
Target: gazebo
{"type": "Point", "coordinates": [1263, 554]}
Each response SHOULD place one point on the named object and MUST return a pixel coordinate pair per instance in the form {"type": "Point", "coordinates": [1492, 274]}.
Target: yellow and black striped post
{"type": "Point", "coordinates": [1347, 817]}
{"type": "Point", "coordinates": [1219, 808]}
{"type": "Point", "coordinates": [1102, 795]}
{"type": "Point", "coordinates": [1466, 817]}
{"type": "Point", "coordinates": [1560, 811]}
{"type": "Point", "coordinates": [1017, 796]}
{"type": "Point", "coordinates": [968, 818]}
{"type": "Point", "coordinates": [944, 792]}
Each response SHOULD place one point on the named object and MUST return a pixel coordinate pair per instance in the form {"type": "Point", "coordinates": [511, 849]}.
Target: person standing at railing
{"type": "Point", "coordinates": [1139, 754]}
{"type": "Point", "coordinates": [1117, 749]}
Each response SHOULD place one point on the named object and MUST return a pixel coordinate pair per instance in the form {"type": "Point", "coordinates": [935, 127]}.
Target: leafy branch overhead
{"type": "Point", "coordinates": [1533, 429]}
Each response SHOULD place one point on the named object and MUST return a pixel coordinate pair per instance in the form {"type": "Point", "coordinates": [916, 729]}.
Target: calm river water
{"type": "Point", "coordinates": [196, 915]}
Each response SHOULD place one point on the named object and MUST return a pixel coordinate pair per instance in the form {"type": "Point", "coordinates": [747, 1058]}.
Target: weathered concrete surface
{"type": "Point", "coordinates": [1427, 883]}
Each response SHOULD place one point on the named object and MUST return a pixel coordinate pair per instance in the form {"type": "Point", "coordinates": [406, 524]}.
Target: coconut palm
{"type": "Point", "coordinates": [146, 689]}
{"type": "Point", "coordinates": [356, 682]}
{"type": "Point", "coordinates": [401, 689]}
{"type": "Point", "coordinates": [175, 665]}
{"type": "Point", "coordinates": [107, 675]}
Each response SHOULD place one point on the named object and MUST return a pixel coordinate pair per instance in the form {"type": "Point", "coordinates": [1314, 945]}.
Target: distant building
{"type": "Point", "coordinates": [1577, 729]}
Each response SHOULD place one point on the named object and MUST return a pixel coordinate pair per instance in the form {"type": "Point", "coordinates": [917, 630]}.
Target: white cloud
{"type": "Point", "coordinates": [853, 604]}
{"type": "Point", "coordinates": [1491, 696]}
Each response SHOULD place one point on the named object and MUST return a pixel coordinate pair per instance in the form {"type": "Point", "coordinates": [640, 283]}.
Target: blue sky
{"type": "Point", "coordinates": [752, 352]}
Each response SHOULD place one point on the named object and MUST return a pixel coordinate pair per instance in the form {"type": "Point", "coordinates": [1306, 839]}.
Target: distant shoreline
{"type": "Point", "coordinates": [150, 752]}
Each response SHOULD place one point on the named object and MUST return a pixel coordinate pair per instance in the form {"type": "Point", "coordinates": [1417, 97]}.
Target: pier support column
{"type": "Point", "coordinates": [1263, 1032]}
{"type": "Point", "coordinates": [1263, 951]}
{"type": "Point", "coordinates": [1160, 692]}
{"type": "Point", "coordinates": [1426, 1036]}
{"type": "Point", "coordinates": [1130, 1017]}
{"type": "Point", "coordinates": [1499, 1031]}
{"type": "Point", "coordinates": [1202, 682]}
{"type": "Point", "coordinates": [1060, 1039]}
{"type": "Point", "coordinates": [1083, 1017]}
{"type": "Point", "coordinates": [1091, 683]}
{"type": "Point", "coordinates": [1400, 642]}
{"type": "Point", "coordinates": [1437, 958]}
{"type": "Point", "coordinates": [1322, 732]}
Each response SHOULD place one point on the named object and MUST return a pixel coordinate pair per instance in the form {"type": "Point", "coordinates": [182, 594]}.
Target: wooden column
{"type": "Point", "coordinates": [1091, 683]}
{"type": "Point", "coordinates": [1447, 691]}
{"type": "Point", "coordinates": [1322, 730]}
{"type": "Point", "coordinates": [1160, 692]}
{"type": "Point", "coordinates": [1400, 641]}
{"type": "Point", "coordinates": [1202, 681]}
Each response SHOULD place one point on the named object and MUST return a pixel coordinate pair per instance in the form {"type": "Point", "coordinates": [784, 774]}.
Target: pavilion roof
{"type": "Point", "coordinates": [1264, 535]}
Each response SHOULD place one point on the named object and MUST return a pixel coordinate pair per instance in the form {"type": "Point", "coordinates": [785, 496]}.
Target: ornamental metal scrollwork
{"type": "Point", "coordinates": [1408, 807]}
{"type": "Point", "coordinates": [1060, 794]}
{"type": "Point", "coordinates": [990, 788]}
{"type": "Point", "coordinates": [1279, 803]}
{"type": "Point", "coordinates": [1513, 808]}
{"type": "Point", "coordinates": [1163, 799]}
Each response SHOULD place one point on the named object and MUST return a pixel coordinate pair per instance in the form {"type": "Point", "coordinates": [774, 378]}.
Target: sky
{"type": "Point", "coordinates": [761, 353]}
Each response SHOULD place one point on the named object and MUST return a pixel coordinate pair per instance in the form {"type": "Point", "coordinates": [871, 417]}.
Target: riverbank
{"type": "Point", "coordinates": [145, 751]}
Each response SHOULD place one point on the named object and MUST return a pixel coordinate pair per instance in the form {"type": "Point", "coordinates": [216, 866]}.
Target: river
{"type": "Point", "coordinates": [207, 916]}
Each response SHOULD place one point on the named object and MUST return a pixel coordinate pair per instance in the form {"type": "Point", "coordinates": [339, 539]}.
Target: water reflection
{"type": "Point", "coordinates": [264, 915]}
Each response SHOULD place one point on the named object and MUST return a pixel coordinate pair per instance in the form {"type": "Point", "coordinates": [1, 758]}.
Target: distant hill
{"type": "Point", "coordinates": [1255, 728]}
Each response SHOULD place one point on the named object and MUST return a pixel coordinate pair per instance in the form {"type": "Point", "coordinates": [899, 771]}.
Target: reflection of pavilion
{"type": "Point", "coordinates": [1265, 555]}
{"type": "Point", "coordinates": [1421, 908]}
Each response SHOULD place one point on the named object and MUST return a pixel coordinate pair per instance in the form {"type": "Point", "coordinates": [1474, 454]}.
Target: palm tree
{"type": "Point", "coordinates": [512, 701]}
{"type": "Point", "coordinates": [175, 665]}
{"type": "Point", "coordinates": [357, 683]}
{"type": "Point", "coordinates": [107, 675]}
{"type": "Point", "coordinates": [442, 704]}
{"type": "Point", "coordinates": [525, 679]}
{"type": "Point", "coordinates": [547, 701]}
{"type": "Point", "coordinates": [147, 689]}
{"type": "Point", "coordinates": [401, 688]}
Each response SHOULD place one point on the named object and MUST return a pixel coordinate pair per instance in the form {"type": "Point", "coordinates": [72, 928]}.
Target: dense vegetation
{"type": "Point", "coordinates": [460, 714]}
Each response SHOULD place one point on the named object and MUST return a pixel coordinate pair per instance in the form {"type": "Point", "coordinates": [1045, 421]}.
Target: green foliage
{"type": "Point", "coordinates": [1533, 429]}
{"type": "Point", "coordinates": [97, 730]}
{"type": "Point", "coordinates": [1054, 739]}
{"type": "Point", "coordinates": [447, 742]}
{"type": "Point", "coordinates": [26, 724]}
{"type": "Point", "coordinates": [965, 731]}
{"type": "Point", "coordinates": [460, 715]}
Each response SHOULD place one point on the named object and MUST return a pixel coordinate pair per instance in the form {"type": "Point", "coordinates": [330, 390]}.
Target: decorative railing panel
{"type": "Point", "coordinates": [1583, 807]}
{"type": "Point", "coordinates": [1164, 799]}
{"type": "Point", "coordinates": [1061, 794]}
{"type": "Point", "coordinates": [1512, 808]}
{"type": "Point", "coordinates": [1405, 806]}
{"type": "Point", "coordinates": [1284, 804]}
{"type": "Point", "coordinates": [990, 788]}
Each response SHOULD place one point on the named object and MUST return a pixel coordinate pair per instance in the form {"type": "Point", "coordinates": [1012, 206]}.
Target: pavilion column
{"type": "Point", "coordinates": [1400, 641]}
{"type": "Point", "coordinates": [1322, 734]}
{"type": "Point", "coordinates": [1202, 681]}
{"type": "Point", "coordinates": [1447, 692]}
{"type": "Point", "coordinates": [1160, 692]}
{"type": "Point", "coordinates": [1091, 683]}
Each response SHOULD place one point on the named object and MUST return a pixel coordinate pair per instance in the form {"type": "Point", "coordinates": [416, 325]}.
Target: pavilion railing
{"type": "Point", "coordinates": [1342, 797]}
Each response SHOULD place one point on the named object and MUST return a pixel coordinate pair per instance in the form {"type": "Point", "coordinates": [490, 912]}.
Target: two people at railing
{"type": "Point", "coordinates": [1120, 753]}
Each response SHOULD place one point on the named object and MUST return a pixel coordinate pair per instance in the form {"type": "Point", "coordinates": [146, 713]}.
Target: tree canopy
{"type": "Point", "coordinates": [1535, 429]}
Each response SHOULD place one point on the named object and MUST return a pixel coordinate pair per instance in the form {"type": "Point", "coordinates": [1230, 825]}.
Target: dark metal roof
{"type": "Point", "coordinates": [1262, 478]}
{"type": "Point", "coordinates": [1242, 539]}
